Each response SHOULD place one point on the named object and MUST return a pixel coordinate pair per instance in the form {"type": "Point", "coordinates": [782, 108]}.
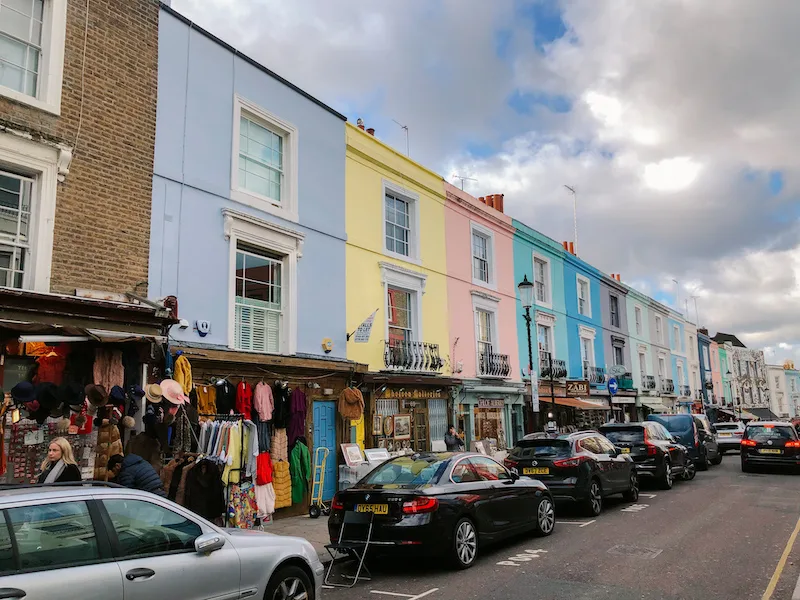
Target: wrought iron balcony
{"type": "Point", "coordinates": [493, 365]}
{"type": "Point", "coordinates": [420, 357]}
{"type": "Point", "coordinates": [559, 367]}
{"type": "Point", "coordinates": [595, 375]}
{"type": "Point", "coordinates": [626, 382]}
{"type": "Point", "coordinates": [686, 391]}
{"type": "Point", "coordinates": [648, 382]}
{"type": "Point", "coordinates": [667, 386]}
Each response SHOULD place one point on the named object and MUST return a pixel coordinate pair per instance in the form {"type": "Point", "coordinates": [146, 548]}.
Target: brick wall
{"type": "Point", "coordinates": [102, 226]}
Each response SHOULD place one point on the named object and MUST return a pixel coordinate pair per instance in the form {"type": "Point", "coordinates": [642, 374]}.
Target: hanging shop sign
{"type": "Point", "coordinates": [577, 388]}
{"type": "Point", "coordinates": [491, 403]}
{"type": "Point", "coordinates": [415, 394]}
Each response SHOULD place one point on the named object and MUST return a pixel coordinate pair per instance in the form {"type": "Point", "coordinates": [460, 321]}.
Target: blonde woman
{"type": "Point", "coordinates": [60, 464]}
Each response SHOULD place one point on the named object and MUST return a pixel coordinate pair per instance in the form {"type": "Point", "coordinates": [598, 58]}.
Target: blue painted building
{"type": "Point", "coordinates": [706, 377]}
{"type": "Point", "coordinates": [248, 222]}
{"type": "Point", "coordinates": [678, 352]}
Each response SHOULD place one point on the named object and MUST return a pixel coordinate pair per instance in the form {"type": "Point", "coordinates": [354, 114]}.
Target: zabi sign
{"type": "Point", "coordinates": [491, 403]}
{"type": "Point", "coordinates": [577, 388]}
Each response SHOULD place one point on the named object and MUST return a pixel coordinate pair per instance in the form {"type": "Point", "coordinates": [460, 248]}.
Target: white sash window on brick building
{"type": "Point", "coordinates": [16, 194]}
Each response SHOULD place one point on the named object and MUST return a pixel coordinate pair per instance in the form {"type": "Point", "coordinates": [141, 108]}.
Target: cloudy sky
{"type": "Point", "coordinates": [675, 120]}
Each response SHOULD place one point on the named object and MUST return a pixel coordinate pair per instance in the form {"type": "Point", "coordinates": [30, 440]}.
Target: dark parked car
{"type": "Point", "coordinates": [582, 467]}
{"type": "Point", "coordinates": [654, 451]}
{"type": "Point", "coordinates": [769, 443]}
{"type": "Point", "coordinates": [684, 429]}
{"type": "Point", "coordinates": [445, 504]}
{"type": "Point", "coordinates": [708, 438]}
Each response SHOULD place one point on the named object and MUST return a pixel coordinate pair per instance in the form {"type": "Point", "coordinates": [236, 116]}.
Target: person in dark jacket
{"type": "Point", "coordinates": [134, 472]}
{"type": "Point", "coordinates": [452, 441]}
{"type": "Point", "coordinates": [60, 464]}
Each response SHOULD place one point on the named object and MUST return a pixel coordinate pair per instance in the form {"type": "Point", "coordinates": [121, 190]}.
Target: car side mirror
{"type": "Point", "coordinates": [208, 543]}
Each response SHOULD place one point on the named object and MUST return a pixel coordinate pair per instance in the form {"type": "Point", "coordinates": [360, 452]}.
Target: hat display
{"type": "Point", "coordinates": [136, 392]}
{"type": "Point", "coordinates": [173, 392]}
{"type": "Point", "coordinates": [23, 392]}
{"type": "Point", "coordinates": [73, 395]}
{"type": "Point", "coordinates": [49, 399]}
{"type": "Point", "coordinates": [96, 395]}
{"type": "Point", "coordinates": [153, 393]}
{"type": "Point", "coordinates": [117, 396]}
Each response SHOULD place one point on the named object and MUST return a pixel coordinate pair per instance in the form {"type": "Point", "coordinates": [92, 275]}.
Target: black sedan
{"type": "Point", "coordinates": [444, 504]}
{"type": "Point", "coordinates": [769, 444]}
{"type": "Point", "coordinates": [582, 467]}
{"type": "Point", "coordinates": [655, 453]}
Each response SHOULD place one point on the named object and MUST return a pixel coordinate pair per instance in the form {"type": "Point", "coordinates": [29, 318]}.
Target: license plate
{"type": "Point", "coordinates": [724, 435]}
{"type": "Point", "coordinates": [770, 451]}
{"type": "Point", "coordinates": [626, 450]}
{"type": "Point", "coordinates": [536, 471]}
{"type": "Point", "coordinates": [378, 509]}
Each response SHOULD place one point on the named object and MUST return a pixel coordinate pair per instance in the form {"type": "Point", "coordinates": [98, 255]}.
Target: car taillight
{"type": "Point", "coordinates": [793, 444]}
{"type": "Point", "coordinates": [652, 450]}
{"type": "Point", "coordinates": [566, 463]}
{"type": "Point", "coordinates": [748, 443]}
{"type": "Point", "coordinates": [419, 505]}
{"type": "Point", "coordinates": [336, 503]}
{"type": "Point", "coordinates": [510, 464]}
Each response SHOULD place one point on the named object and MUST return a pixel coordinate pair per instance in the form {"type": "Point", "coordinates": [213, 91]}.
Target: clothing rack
{"type": "Point", "coordinates": [230, 417]}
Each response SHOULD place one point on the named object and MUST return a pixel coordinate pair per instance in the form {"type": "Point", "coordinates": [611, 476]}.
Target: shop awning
{"type": "Point", "coordinates": [653, 403]}
{"type": "Point", "coordinates": [38, 332]}
{"type": "Point", "coordinates": [765, 414]}
{"type": "Point", "coordinates": [583, 404]}
{"type": "Point", "coordinates": [736, 413]}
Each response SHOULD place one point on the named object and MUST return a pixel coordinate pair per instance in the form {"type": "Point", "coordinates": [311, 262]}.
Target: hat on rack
{"type": "Point", "coordinates": [23, 392]}
{"type": "Point", "coordinates": [173, 392]}
{"type": "Point", "coordinates": [136, 392]}
{"type": "Point", "coordinates": [117, 396]}
{"type": "Point", "coordinates": [72, 395]}
{"type": "Point", "coordinates": [96, 395]}
{"type": "Point", "coordinates": [153, 393]}
{"type": "Point", "coordinates": [49, 398]}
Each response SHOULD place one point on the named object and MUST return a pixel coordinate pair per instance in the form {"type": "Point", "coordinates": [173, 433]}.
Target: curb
{"type": "Point", "coordinates": [796, 594]}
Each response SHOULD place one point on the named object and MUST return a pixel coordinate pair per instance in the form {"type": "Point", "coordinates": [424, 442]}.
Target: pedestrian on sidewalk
{"type": "Point", "coordinates": [134, 472]}
{"type": "Point", "coordinates": [452, 442]}
{"type": "Point", "coordinates": [60, 463]}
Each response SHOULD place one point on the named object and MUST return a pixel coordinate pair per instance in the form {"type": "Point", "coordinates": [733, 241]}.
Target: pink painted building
{"type": "Point", "coordinates": [481, 298]}
{"type": "Point", "coordinates": [716, 374]}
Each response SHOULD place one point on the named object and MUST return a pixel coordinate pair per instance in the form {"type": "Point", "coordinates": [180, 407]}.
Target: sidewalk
{"type": "Point", "coordinates": [314, 530]}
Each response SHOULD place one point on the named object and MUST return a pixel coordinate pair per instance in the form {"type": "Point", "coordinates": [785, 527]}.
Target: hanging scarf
{"type": "Point", "coordinates": [55, 472]}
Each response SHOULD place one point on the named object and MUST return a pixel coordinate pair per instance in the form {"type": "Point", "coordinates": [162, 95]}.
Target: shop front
{"type": "Point", "coordinates": [571, 407]}
{"type": "Point", "coordinates": [623, 406]}
{"type": "Point", "coordinates": [493, 413]}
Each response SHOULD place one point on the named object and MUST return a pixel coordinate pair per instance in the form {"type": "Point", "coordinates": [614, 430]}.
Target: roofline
{"type": "Point", "coordinates": [247, 59]}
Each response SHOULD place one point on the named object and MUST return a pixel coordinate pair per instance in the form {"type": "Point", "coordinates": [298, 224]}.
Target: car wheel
{"type": "Point", "coordinates": [465, 544]}
{"type": "Point", "coordinates": [689, 471]}
{"type": "Point", "coordinates": [290, 583]}
{"type": "Point", "coordinates": [632, 495]}
{"type": "Point", "coordinates": [314, 511]}
{"type": "Point", "coordinates": [593, 505]}
{"type": "Point", "coordinates": [666, 476]}
{"type": "Point", "coordinates": [702, 464]}
{"type": "Point", "coordinates": [545, 517]}
{"type": "Point", "coordinates": [717, 460]}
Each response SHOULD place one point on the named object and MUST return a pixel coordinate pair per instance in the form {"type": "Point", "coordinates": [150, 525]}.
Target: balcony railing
{"type": "Point", "coordinates": [626, 382]}
{"type": "Point", "coordinates": [667, 386]}
{"type": "Point", "coordinates": [546, 361]}
{"type": "Point", "coordinates": [595, 375]}
{"type": "Point", "coordinates": [648, 382]}
{"type": "Point", "coordinates": [491, 364]}
{"type": "Point", "coordinates": [420, 357]}
{"type": "Point", "coordinates": [686, 391]}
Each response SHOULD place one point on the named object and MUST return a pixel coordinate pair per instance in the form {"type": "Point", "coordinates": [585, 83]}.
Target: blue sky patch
{"type": "Point", "coordinates": [502, 43]}
{"type": "Point", "coordinates": [548, 26]}
{"type": "Point", "coordinates": [525, 102]}
{"type": "Point", "coordinates": [775, 182]}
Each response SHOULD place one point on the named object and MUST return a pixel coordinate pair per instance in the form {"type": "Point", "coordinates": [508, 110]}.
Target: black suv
{"type": "Point", "coordinates": [768, 444]}
{"type": "Point", "coordinates": [654, 451]}
{"type": "Point", "coordinates": [582, 467]}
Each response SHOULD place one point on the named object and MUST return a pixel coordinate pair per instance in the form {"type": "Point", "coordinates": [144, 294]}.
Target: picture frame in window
{"type": "Point", "coordinates": [376, 455]}
{"type": "Point", "coordinates": [402, 427]}
{"type": "Point", "coordinates": [377, 424]}
{"type": "Point", "coordinates": [352, 454]}
{"type": "Point", "coordinates": [388, 426]}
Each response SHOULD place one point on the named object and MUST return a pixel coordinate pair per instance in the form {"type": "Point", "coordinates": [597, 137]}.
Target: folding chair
{"type": "Point", "coordinates": [352, 547]}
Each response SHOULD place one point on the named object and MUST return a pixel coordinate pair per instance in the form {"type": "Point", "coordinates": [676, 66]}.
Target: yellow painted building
{"type": "Point", "coordinates": [396, 264]}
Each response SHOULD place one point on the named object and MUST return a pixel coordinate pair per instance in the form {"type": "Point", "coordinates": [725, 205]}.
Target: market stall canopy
{"type": "Point", "coordinates": [582, 404]}
{"type": "Point", "coordinates": [736, 413]}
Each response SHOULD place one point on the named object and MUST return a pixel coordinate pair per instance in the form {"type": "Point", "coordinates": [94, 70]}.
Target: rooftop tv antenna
{"type": "Point", "coordinates": [404, 128]}
{"type": "Point", "coordinates": [463, 179]}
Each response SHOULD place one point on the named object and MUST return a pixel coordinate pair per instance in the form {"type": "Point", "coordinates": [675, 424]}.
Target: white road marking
{"type": "Point", "coordinates": [528, 555]}
{"type": "Point", "coordinates": [391, 594]}
{"type": "Point", "coordinates": [507, 563]}
{"type": "Point", "coordinates": [423, 594]}
{"type": "Point", "coordinates": [588, 523]}
{"type": "Point", "coordinates": [634, 508]}
{"type": "Point", "coordinates": [578, 523]}
{"type": "Point", "coordinates": [648, 495]}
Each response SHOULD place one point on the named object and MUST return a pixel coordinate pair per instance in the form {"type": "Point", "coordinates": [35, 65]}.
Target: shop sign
{"type": "Point", "coordinates": [415, 394]}
{"type": "Point", "coordinates": [34, 438]}
{"type": "Point", "coordinates": [623, 400]}
{"type": "Point", "coordinates": [491, 403]}
{"type": "Point", "coordinates": [577, 388]}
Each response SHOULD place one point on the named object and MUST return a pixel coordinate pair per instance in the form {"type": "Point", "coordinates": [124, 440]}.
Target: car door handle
{"type": "Point", "coordinates": [139, 574]}
{"type": "Point", "coordinates": [11, 593]}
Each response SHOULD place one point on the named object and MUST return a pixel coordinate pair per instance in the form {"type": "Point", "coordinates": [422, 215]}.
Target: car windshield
{"type": "Point", "coordinates": [408, 471]}
{"type": "Point", "coordinates": [620, 435]}
{"type": "Point", "coordinates": [541, 448]}
{"type": "Point", "coordinates": [726, 427]}
{"type": "Point", "coordinates": [677, 425]}
{"type": "Point", "coordinates": [763, 433]}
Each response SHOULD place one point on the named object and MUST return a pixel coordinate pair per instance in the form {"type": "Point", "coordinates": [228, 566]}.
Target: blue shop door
{"type": "Point", "coordinates": [325, 437]}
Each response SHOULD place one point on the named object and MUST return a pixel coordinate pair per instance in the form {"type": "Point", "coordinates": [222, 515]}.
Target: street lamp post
{"type": "Point", "coordinates": [525, 288]}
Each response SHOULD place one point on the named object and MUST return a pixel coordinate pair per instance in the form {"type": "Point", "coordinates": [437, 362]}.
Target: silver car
{"type": "Point", "coordinates": [96, 541]}
{"type": "Point", "coordinates": [729, 435]}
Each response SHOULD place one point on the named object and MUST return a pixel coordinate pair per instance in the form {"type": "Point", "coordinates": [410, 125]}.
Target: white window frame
{"type": "Point", "coordinates": [51, 61]}
{"type": "Point", "coordinates": [39, 161]}
{"type": "Point", "coordinates": [489, 304]}
{"type": "Point", "coordinates": [488, 235]}
{"type": "Point", "coordinates": [643, 364]}
{"type": "Point", "coordinates": [662, 373]}
{"type": "Point", "coordinates": [588, 334]}
{"type": "Point", "coordinates": [638, 318]}
{"type": "Point", "coordinates": [676, 334]}
{"type": "Point", "coordinates": [548, 283]}
{"type": "Point", "coordinates": [414, 221]}
{"type": "Point", "coordinates": [578, 280]}
{"type": "Point", "coordinates": [287, 208]}
{"type": "Point", "coordinates": [395, 276]}
{"type": "Point", "coordinates": [546, 320]}
{"type": "Point", "coordinates": [659, 329]}
{"type": "Point", "coordinates": [288, 243]}
{"type": "Point", "coordinates": [611, 297]}
{"type": "Point", "coordinates": [621, 349]}
{"type": "Point", "coordinates": [681, 373]}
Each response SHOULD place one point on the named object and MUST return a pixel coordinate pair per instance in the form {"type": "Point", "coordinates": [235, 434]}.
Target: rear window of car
{"type": "Point", "coordinates": [622, 435]}
{"type": "Point", "coordinates": [407, 471]}
{"type": "Point", "coordinates": [726, 427]}
{"type": "Point", "coordinates": [541, 448]}
{"type": "Point", "coordinates": [762, 433]}
{"type": "Point", "coordinates": [677, 425]}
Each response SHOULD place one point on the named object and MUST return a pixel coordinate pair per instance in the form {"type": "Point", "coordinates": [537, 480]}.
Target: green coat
{"type": "Point", "coordinates": [300, 468]}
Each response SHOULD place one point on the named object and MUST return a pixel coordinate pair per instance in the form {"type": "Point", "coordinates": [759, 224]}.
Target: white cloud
{"type": "Point", "coordinates": [671, 174]}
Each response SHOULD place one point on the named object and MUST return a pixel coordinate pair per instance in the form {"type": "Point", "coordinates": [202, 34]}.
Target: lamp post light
{"type": "Point", "coordinates": [525, 288]}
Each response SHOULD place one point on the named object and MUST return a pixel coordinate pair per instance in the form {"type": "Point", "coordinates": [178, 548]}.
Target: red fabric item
{"type": "Point", "coordinates": [87, 426]}
{"type": "Point", "coordinates": [244, 399]}
{"type": "Point", "coordinates": [263, 469]}
{"type": "Point", "coordinates": [52, 364]}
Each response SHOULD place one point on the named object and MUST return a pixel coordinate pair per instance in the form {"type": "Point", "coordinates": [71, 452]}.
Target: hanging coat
{"type": "Point", "coordinates": [183, 373]}
{"type": "Point", "coordinates": [282, 484]}
{"type": "Point", "coordinates": [300, 468]}
{"type": "Point", "coordinates": [282, 411]}
{"type": "Point", "coordinates": [297, 419]}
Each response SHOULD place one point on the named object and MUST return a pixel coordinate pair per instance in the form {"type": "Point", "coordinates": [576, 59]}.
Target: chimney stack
{"type": "Point", "coordinates": [482, 200]}
{"type": "Point", "coordinates": [572, 248]}
{"type": "Point", "coordinates": [371, 131]}
{"type": "Point", "coordinates": [619, 277]}
{"type": "Point", "coordinates": [566, 246]}
{"type": "Point", "coordinates": [490, 200]}
{"type": "Point", "coordinates": [360, 123]}
{"type": "Point", "coordinates": [498, 202]}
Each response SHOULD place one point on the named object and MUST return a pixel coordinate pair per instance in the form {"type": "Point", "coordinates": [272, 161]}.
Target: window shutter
{"type": "Point", "coordinates": [257, 329]}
